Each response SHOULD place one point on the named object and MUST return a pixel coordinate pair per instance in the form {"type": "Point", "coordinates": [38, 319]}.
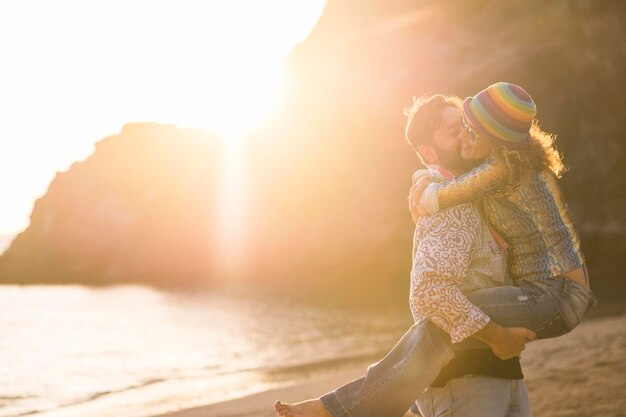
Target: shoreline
{"type": "Point", "coordinates": [588, 362]}
{"type": "Point", "coordinates": [261, 404]}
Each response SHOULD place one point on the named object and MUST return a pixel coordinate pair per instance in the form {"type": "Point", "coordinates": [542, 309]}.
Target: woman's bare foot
{"type": "Point", "coordinates": [309, 408]}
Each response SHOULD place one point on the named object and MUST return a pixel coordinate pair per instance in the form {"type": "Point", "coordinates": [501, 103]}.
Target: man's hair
{"type": "Point", "coordinates": [424, 117]}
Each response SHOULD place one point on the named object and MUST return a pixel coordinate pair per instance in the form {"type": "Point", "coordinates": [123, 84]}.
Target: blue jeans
{"type": "Point", "coordinates": [476, 396]}
{"type": "Point", "coordinates": [550, 308]}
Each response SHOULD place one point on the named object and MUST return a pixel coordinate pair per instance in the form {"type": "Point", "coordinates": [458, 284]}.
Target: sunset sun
{"type": "Point", "coordinates": [81, 70]}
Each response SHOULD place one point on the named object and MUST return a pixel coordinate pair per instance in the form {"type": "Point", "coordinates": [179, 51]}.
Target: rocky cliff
{"type": "Point", "coordinates": [139, 209]}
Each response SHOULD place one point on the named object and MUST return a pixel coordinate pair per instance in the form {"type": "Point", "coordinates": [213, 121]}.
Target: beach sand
{"type": "Point", "coordinates": [581, 374]}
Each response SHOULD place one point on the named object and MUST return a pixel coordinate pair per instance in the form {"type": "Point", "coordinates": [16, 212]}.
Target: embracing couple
{"type": "Point", "coordinates": [496, 263]}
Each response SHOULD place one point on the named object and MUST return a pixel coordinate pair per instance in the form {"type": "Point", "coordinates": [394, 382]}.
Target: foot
{"type": "Point", "coordinates": [309, 408]}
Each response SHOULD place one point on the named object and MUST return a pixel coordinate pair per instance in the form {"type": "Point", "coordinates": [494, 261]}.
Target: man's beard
{"type": "Point", "coordinates": [453, 161]}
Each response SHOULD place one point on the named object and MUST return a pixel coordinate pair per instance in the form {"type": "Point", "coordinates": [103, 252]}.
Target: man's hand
{"type": "Point", "coordinates": [415, 193]}
{"type": "Point", "coordinates": [505, 342]}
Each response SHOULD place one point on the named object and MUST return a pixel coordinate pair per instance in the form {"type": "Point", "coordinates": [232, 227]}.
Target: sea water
{"type": "Point", "coordinates": [134, 351]}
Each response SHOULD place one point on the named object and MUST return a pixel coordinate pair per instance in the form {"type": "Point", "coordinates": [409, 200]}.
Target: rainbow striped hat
{"type": "Point", "coordinates": [502, 112]}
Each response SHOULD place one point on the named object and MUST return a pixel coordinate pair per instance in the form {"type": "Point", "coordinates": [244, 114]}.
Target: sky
{"type": "Point", "coordinates": [74, 72]}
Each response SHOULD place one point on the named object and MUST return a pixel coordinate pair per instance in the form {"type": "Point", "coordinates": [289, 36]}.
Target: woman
{"type": "Point", "coordinates": [516, 186]}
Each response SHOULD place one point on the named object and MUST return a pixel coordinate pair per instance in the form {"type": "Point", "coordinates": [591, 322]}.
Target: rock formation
{"type": "Point", "coordinates": [139, 209]}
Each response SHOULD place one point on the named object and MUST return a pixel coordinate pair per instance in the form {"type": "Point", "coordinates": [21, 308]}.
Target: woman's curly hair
{"type": "Point", "coordinates": [539, 155]}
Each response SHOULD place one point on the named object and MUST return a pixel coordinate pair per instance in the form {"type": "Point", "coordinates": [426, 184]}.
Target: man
{"type": "Point", "coordinates": [453, 252]}
{"type": "Point", "coordinates": [475, 382]}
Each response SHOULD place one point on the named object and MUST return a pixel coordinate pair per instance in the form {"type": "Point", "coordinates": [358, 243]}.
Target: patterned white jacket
{"type": "Point", "coordinates": [454, 252]}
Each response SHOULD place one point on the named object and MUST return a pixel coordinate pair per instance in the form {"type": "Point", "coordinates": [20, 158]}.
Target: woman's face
{"type": "Point", "coordinates": [473, 146]}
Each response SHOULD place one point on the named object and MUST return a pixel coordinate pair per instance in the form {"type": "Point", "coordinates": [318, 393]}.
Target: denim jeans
{"type": "Point", "coordinates": [476, 396]}
{"type": "Point", "coordinates": [550, 308]}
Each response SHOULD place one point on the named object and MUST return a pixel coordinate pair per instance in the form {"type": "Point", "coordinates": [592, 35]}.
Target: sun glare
{"type": "Point", "coordinates": [232, 202]}
{"type": "Point", "coordinates": [74, 72]}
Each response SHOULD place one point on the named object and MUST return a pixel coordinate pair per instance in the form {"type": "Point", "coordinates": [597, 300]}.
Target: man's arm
{"type": "Point", "coordinates": [488, 179]}
{"type": "Point", "coordinates": [442, 255]}
{"type": "Point", "coordinates": [440, 301]}
{"type": "Point", "coordinates": [443, 250]}
{"type": "Point", "coordinates": [447, 307]}
{"type": "Point", "coordinates": [505, 342]}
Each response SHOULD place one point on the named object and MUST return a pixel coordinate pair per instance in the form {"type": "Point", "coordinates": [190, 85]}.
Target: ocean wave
{"type": "Point", "coordinates": [83, 400]}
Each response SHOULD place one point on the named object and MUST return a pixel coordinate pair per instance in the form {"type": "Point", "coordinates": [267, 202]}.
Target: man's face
{"type": "Point", "coordinates": [447, 141]}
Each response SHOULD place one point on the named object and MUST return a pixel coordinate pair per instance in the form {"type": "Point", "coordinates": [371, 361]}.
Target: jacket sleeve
{"type": "Point", "coordinates": [487, 179]}
{"type": "Point", "coordinates": [440, 263]}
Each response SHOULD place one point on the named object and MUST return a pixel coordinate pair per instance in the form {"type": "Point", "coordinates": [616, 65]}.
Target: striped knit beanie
{"type": "Point", "coordinates": [502, 112]}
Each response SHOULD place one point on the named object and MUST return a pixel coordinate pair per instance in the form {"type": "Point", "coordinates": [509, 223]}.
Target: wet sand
{"type": "Point", "coordinates": [582, 374]}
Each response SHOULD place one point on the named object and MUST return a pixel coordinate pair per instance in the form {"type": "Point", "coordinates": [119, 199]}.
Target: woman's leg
{"type": "Point", "coordinates": [550, 307]}
{"type": "Point", "coordinates": [389, 387]}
